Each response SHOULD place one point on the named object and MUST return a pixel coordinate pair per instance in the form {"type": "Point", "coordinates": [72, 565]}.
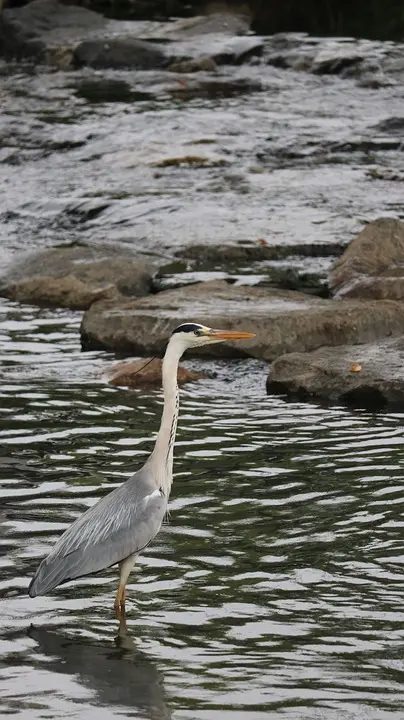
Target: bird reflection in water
{"type": "Point", "coordinates": [120, 676]}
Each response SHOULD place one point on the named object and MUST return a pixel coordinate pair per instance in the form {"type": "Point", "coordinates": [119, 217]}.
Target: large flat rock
{"type": "Point", "coordinates": [369, 375]}
{"type": "Point", "coordinates": [284, 321]}
{"type": "Point", "coordinates": [76, 276]}
{"type": "Point", "coordinates": [372, 266]}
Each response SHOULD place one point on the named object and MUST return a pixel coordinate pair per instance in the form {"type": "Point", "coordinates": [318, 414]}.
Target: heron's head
{"type": "Point", "coordinates": [192, 335]}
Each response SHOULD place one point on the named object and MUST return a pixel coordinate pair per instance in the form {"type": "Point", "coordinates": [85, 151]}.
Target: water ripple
{"type": "Point", "coordinates": [274, 590]}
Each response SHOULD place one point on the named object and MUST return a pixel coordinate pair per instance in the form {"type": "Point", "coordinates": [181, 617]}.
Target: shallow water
{"type": "Point", "coordinates": [274, 591]}
{"type": "Point", "coordinates": [290, 157]}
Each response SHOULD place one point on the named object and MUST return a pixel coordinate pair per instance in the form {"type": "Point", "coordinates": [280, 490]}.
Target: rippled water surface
{"type": "Point", "coordinates": [276, 588]}
{"type": "Point", "coordinates": [289, 156]}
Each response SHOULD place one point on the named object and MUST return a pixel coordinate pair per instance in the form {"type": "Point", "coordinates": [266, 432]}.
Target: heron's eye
{"type": "Point", "coordinates": [198, 333]}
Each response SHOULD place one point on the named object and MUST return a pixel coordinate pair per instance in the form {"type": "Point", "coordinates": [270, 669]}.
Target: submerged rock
{"type": "Point", "coordinates": [255, 251]}
{"type": "Point", "coordinates": [201, 64]}
{"type": "Point", "coordinates": [284, 321]}
{"type": "Point", "coordinates": [190, 161]}
{"type": "Point", "coordinates": [203, 43]}
{"type": "Point", "coordinates": [107, 90]}
{"type": "Point", "coordinates": [239, 50]}
{"type": "Point", "coordinates": [214, 87]}
{"type": "Point", "coordinates": [369, 62]}
{"type": "Point", "coordinates": [385, 173]}
{"type": "Point", "coordinates": [75, 276]}
{"type": "Point", "coordinates": [338, 60]}
{"type": "Point", "coordinates": [65, 35]}
{"type": "Point", "coordinates": [370, 375]}
{"type": "Point", "coordinates": [147, 372]}
{"type": "Point", "coordinates": [119, 52]}
{"type": "Point", "coordinates": [372, 266]}
{"type": "Point", "coordinates": [218, 37]}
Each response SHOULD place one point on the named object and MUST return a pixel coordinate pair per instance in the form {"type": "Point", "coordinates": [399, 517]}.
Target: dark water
{"type": "Point", "coordinates": [276, 589]}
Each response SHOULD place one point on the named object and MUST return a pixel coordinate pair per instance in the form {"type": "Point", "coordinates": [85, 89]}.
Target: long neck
{"type": "Point", "coordinates": [161, 459]}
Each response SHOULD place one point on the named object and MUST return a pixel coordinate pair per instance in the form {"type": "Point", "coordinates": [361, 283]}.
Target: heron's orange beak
{"type": "Point", "coordinates": [229, 335]}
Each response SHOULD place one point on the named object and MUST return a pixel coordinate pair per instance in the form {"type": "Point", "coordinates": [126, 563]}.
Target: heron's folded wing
{"type": "Point", "coordinates": [120, 524]}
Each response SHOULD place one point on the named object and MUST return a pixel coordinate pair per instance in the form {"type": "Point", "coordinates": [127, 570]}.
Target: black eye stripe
{"type": "Point", "coordinates": [187, 328]}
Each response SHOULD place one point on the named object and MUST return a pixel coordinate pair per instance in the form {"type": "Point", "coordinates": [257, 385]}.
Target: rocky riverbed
{"type": "Point", "coordinates": [161, 155]}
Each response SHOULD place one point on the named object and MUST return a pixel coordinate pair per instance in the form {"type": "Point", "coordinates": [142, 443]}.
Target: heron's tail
{"type": "Point", "coordinates": [44, 580]}
{"type": "Point", "coordinates": [37, 585]}
{"type": "Point", "coordinates": [32, 591]}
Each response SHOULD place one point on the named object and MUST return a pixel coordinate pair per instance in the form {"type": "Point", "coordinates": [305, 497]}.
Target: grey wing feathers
{"type": "Point", "coordinates": [120, 524]}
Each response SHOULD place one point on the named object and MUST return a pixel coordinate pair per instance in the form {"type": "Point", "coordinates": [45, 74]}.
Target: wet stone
{"type": "Point", "coordinates": [119, 52]}
{"type": "Point", "coordinates": [372, 266]}
{"type": "Point", "coordinates": [292, 278]}
{"type": "Point", "coordinates": [67, 291]}
{"type": "Point", "coordinates": [364, 150]}
{"type": "Point", "coordinates": [365, 60]}
{"type": "Point", "coordinates": [202, 64]}
{"type": "Point", "coordinates": [83, 210]}
{"type": "Point", "coordinates": [239, 50]}
{"type": "Point", "coordinates": [212, 87]}
{"type": "Point", "coordinates": [135, 373]}
{"type": "Point", "coordinates": [107, 90]}
{"type": "Point", "coordinates": [385, 173]}
{"type": "Point", "coordinates": [391, 126]}
{"type": "Point", "coordinates": [67, 35]}
{"type": "Point", "coordinates": [31, 30]}
{"type": "Point", "coordinates": [190, 161]}
{"type": "Point", "coordinates": [284, 321]}
{"type": "Point", "coordinates": [369, 375]}
{"type": "Point", "coordinates": [75, 276]}
{"type": "Point", "coordinates": [219, 37]}
{"type": "Point", "coordinates": [252, 251]}
{"type": "Point", "coordinates": [337, 62]}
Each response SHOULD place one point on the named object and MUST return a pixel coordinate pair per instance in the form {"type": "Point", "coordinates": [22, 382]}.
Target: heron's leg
{"type": "Point", "coordinates": [125, 567]}
{"type": "Point", "coordinates": [122, 630]}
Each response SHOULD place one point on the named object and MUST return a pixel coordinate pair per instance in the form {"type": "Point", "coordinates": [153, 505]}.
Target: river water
{"type": "Point", "coordinates": [275, 590]}
{"type": "Point", "coordinates": [286, 156]}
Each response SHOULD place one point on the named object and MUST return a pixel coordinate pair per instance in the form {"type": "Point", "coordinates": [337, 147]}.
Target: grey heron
{"type": "Point", "coordinates": [120, 525]}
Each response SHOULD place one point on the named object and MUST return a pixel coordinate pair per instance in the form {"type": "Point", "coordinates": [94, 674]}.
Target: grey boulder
{"type": "Point", "coordinates": [41, 25]}
{"type": "Point", "coordinates": [372, 266]}
{"type": "Point", "coordinates": [66, 35]}
{"type": "Point", "coordinates": [75, 276]}
{"type": "Point", "coordinates": [119, 52]}
{"type": "Point", "coordinates": [283, 320]}
{"type": "Point", "coordinates": [369, 375]}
